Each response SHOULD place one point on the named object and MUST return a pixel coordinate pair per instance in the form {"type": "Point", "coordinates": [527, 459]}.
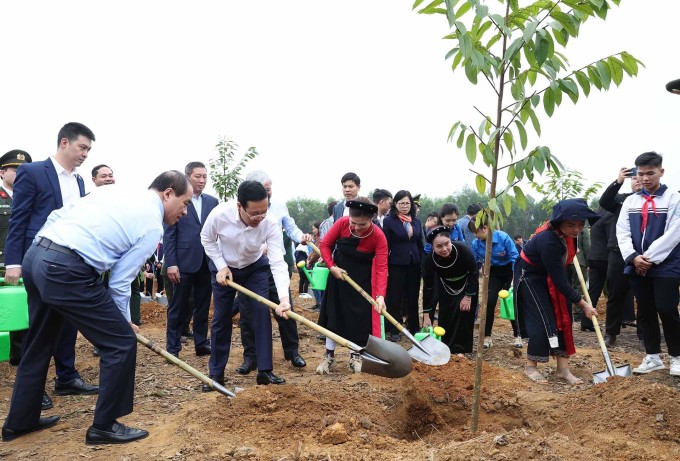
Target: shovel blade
{"type": "Point", "coordinates": [439, 353]}
{"type": "Point", "coordinates": [602, 376]}
{"type": "Point", "coordinates": [384, 358]}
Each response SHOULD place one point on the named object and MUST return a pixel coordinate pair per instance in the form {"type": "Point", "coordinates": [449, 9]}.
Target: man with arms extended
{"type": "Point", "coordinates": [8, 171]}
{"type": "Point", "coordinates": [648, 231]}
{"type": "Point", "coordinates": [62, 273]}
{"type": "Point", "coordinates": [278, 211]}
{"type": "Point", "coordinates": [233, 237]}
{"type": "Point", "coordinates": [188, 266]}
{"type": "Point", "coordinates": [40, 188]}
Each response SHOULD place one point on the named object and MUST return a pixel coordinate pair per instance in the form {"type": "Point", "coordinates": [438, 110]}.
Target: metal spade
{"type": "Point", "coordinates": [610, 370]}
{"type": "Point", "coordinates": [428, 351]}
{"type": "Point", "coordinates": [379, 357]}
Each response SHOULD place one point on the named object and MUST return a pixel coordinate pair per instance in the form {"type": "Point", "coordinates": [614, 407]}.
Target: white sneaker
{"type": "Point", "coordinates": [326, 365]}
{"type": "Point", "coordinates": [518, 342]}
{"type": "Point", "coordinates": [650, 364]}
{"type": "Point", "coordinates": [488, 343]}
{"type": "Point", "coordinates": [675, 366]}
{"type": "Point", "coordinates": [355, 363]}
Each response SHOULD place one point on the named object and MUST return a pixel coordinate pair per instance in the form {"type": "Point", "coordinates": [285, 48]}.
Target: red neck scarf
{"type": "Point", "coordinates": [649, 199]}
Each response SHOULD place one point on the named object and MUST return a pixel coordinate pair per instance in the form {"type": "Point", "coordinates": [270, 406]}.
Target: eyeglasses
{"type": "Point", "coordinates": [403, 203]}
{"type": "Point", "coordinates": [256, 216]}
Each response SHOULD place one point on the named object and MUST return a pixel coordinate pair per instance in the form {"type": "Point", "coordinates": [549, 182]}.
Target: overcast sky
{"type": "Point", "coordinates": [319, 88]}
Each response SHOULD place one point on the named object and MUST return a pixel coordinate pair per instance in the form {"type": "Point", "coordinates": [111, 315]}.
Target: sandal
{"type": "Point", "coordinates": [568, 377]}
{"type": "Point", "coordinates": [534, 375]}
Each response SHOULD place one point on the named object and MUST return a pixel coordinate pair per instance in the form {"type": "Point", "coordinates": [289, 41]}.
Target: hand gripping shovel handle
{"type": "Point", "coordinates": [184, 366]}
{"type": "Point", "coordinates": [600, 339]}
{"type": "Point", "coordinates": [383, 312]}
{"type": "Point", "coordinates": [298, 318]}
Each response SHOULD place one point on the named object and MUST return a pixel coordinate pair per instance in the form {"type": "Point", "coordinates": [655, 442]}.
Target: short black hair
{"type": "Point", "coordinates": [381, 194]}
{"type": "Point", "coordinates": [171, 179]}
{"type": "Point", "coordinates": [330, 207]}
{"type": "Point", "coordinates": [96, 169]}
{"type": "Point", "coordinates": [473, 209]}
{"type": "Point", "coordinates": [250, 191]}
{"type": "Point", "coordinates": [72, 130]}
{"type": "Point", "coordinates": [191, 166]}
{"type": "Point", "coordinates": [351, 177]}
{"type": "Point", "coordinates": [649, 159]}
{"type": "Point", "coordinates": [472, 225]}
{"type": "Point", "coordinates": [448, 208]}
{"type": "Point", "coordinates": [317, 224]}
{"type": "Point", "coordinates": [433, 214]}
{"type": "Point", "coordinates": [518, 236]}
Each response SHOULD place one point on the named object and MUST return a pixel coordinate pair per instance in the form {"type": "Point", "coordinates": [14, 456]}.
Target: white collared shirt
{"type": "Point", "coordinates": [68, 183]}
{"type": "Point", "coordinates": [198, 204]}
{"type": "Point", "coordinates": [228, 241]}
{"type": "Point", "coordinates": [111, 229]}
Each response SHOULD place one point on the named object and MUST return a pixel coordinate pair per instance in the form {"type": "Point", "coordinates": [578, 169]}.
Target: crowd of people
{"type": "Point", "coordinates": [83, 260]}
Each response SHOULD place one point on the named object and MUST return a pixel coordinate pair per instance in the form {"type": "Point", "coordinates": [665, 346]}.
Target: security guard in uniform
{"type": "Point", "coordinates": [8, 171]}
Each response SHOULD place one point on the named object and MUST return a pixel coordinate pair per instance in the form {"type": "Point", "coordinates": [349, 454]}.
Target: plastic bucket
{"type": "Point", "coordinates": [13, 307]}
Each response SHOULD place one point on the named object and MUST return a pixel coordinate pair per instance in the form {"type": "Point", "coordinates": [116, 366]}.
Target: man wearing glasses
{"type": "Point", "coordinates": [233, 236]}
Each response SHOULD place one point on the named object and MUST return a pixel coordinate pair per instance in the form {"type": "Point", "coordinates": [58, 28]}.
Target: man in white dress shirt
{"type": "Point", "coordinates": [233, 236]}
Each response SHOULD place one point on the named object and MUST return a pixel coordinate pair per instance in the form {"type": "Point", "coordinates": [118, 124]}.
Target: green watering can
{"type": "Point", "coordinates": [13, 307]}
{"type": "Point", "coordinates": [436, 333]}
{"type": "Point", "coordinates": [507, 304]}
{"type": "Point", "coordinates": [4, 347]}
{"type": "Point", "coordinates": [318, 276]}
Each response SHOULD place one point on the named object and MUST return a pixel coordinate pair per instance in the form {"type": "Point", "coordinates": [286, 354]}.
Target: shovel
{"type": "Point", "coordinates": [428, 351]}
{"type": "Point", "coordinates": [184, 366]}
{"type": "Point", "coordinates": [379, 357]}
{"type": "Point", "coordinates": [601, 376]}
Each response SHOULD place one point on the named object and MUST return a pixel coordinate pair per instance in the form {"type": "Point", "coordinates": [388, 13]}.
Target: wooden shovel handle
{"type": "Point", "coordinates": [366, 296]}
{"type": "Point", "coordinates": [596, 325]}
{"type": "Point", "coordinates": [297, 317]}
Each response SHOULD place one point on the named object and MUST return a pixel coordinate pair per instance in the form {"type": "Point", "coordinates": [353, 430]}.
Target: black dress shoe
{"type": "Point", "coordinates": [249, 364]}
{"type": "Point", "coordinates": [46, 403]}
{"type": "Point", "coordinates": [587, 328]}
{"type": "Point", "coordinates": [217, 379]}
{"type": "Point", "coordinates": [297, 361]}
{"type": "Point", "coordinates": [188, 334]}
{"type": "Point", "coordinates": [203, 350]}
{"type": "Point", "coordinates": [609, 340]}
{"type": "Point", "coordinates": [43, 423]}
{"type": "Point", "coordinates": [176, 354]}
{"type": "Point", "coordinates": [74, 387]}
{"type": "Point", "coordinates": [267, 377]}
{"type": "Point", "coordinates": [120, 434]}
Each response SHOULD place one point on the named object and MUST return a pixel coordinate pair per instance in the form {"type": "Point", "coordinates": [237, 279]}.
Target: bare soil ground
{"type": "Point", "coordinates": [346, 416]}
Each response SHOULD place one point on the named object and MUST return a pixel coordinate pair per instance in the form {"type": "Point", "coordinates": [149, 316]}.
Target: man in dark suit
{"type": "Point", "coordinates": [8, 170]}
{"type": "Point", "coordinates": [187, 266]}
{"type": "Point", "coordinates": [40, 188]}
{"type": "Point", "coordinates": [351, 184]}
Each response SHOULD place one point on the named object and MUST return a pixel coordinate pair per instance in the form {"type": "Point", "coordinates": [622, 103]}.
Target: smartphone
{"type": "Point", "coordinates": [632, 172]}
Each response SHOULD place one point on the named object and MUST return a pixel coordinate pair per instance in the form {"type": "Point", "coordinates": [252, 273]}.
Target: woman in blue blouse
{"type": "Point", "coordinates": [503, 257]}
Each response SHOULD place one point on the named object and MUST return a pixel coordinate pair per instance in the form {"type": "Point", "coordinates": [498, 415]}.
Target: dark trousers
{"type": "Point", "coordinates": [620, 301]}
{"type": "Point", "coordinates": [255, 278]}
{"type": "Point", "coordinates": [62, 287]}
{"type": "Point", "coordinates": [287, 327]}
{"type": "Point", "coordinates": [597, 276]}
{"type": "Point", "coordinates": [658, 296]}
{"type": "Point", "coordinates": [189, 309]}
{"type": "Point", "coordinates": [403, 288]}
{"type": "Point", "coordinates": [135, 302]}
{"type": "Point", "coordinates": [200, 282]}
{"type": "Point", "coordinates": [500, 278]}
{"type": "Point", "coordinates": [64, 351]}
